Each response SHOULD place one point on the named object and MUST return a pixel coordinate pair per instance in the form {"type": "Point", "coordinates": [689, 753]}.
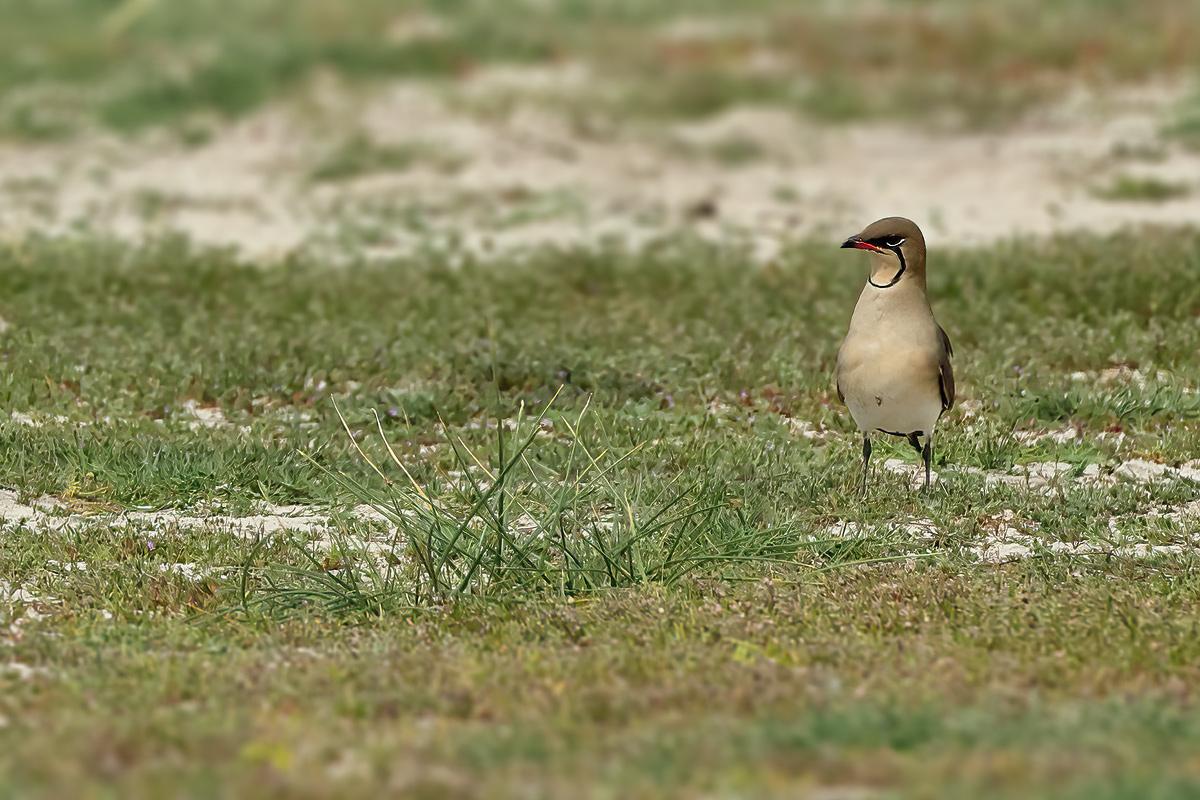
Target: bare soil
{"type": "Point", "coordinates": [528, 174]}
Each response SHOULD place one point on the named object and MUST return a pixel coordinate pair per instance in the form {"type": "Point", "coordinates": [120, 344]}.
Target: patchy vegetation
{"type": "Point", "coordinates": [1035, 681]}
{"type": "Point", "coordinates": [136, 64]}
{"type": "Point", "coordinates": [1153, 190]}
{"type": "Point", "coordinates": [627, 515]}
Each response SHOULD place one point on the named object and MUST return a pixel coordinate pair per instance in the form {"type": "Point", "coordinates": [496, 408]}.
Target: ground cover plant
{"type": "Point", "coordinates": [68, 64]}
{"type": "Point", "coordinates": [619, 547]}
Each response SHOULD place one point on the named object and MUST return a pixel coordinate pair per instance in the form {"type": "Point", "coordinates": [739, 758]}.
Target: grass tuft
{"type": "Point", "coordinates": [1153, 190]}
{"type": "Point", "coordinates": [359, 156]}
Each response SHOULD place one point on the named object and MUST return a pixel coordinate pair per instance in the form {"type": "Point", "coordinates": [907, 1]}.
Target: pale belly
{"type": "Point", "coordinates": [892, 396]}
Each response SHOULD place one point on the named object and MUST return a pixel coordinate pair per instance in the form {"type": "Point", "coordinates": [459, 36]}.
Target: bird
{"type": "Point", "coordinates": [893, 368]}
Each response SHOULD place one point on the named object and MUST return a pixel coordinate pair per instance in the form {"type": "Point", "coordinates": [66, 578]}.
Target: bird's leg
{"type": "Point", "coordinates": [866, 462]}
{"type": "Point", "coordinates": [927, 456]}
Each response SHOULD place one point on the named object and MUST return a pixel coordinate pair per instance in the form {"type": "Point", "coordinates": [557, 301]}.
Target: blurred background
{"type": "Point", "coordinates": [385, 126]}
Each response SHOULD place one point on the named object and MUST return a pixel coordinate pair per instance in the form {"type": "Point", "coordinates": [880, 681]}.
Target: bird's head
{"type": "Point", "coordinates": [896, 247]}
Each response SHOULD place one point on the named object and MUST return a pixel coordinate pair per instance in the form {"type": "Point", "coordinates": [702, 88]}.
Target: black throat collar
{"type": "Point", "coordinates": [899, 274]}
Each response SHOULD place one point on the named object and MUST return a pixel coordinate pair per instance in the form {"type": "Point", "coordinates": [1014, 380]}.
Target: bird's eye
{"type": "Point", "coordinates": [896, 243]}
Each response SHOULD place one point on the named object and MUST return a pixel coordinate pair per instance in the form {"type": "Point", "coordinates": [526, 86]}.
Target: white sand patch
{"type": "Point", "coordinates": [808, 430]}
{"type": "Point", "coordinates": [1015, 539]}
{"type": "Point", "coordinates": [48, 513]}
{"type": "Point", "coordinates": [530, 176]}
{"type": "Point", "coordinates": [1095, 475]}
{"type": "Point", "coordinates": [1064, 436]}
{"type": "Point", "coordinates": [23, 606]}
{"type": "Point", "coordinates": [417, 26]}
{"type": "Point", "coordinates": [39, 420]}
{"type": "Point", "coordinates": [998, 551]}
{"type": "Point", "coordinates": [299, 519]}
{"type": "Point", "coordinates": [1142, 471]}
{"type": "Point", "coordinates": [21, 671]}
{"type": "Point", "coordinates": [1113, 376]}
{"type": "Point", "coordinates": [1060, 436]}
{"type": "Point", "coordinates": [10, 594]}
{"type": "Point", "coordinates": [1038, 476]}
{"type": "Point", "coordinates": [1008, 537]}
{"type": "Point", "coordinates": [186, 570]}
{"type": "Point", "coordinates": [921, 529]}
{"type": "Point", "coordinates": [914, 472]}
{"type": "Point", "coordinates": [206, 416]}
{"type": "Point", "coordinates": [314, 524]}
{"type": "Point", "coordinates": [1187, 514]}
{"type": "Point", "coordinates": [1047, 471]}
{"type": "Point", "coordinates": [12, 510]}
{"type": "Point", "coordinates": [910, 529]}
{"type": "Point", "coordinates": [844, 529]}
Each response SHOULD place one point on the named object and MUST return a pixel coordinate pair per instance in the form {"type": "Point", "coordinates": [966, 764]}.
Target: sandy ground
{"type": "Point", "coordinates": [529, 176]}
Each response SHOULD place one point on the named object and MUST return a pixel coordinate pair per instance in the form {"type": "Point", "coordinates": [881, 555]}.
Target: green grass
{"type": "Point", "coordinates": [1185, 126]}
{"type": "Point", "coordinates": [1028, 681]}
{"type": "Point", "coordinates": [620, 571]}
{"type": "Point", "coordinates": [680, 349]}
{"type": "Point", "coordinates": [67, 64]}
{"type": "Point", "coordinates": [358, 156]}
{"type": "Point", "coordinates": [1153, 190]}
